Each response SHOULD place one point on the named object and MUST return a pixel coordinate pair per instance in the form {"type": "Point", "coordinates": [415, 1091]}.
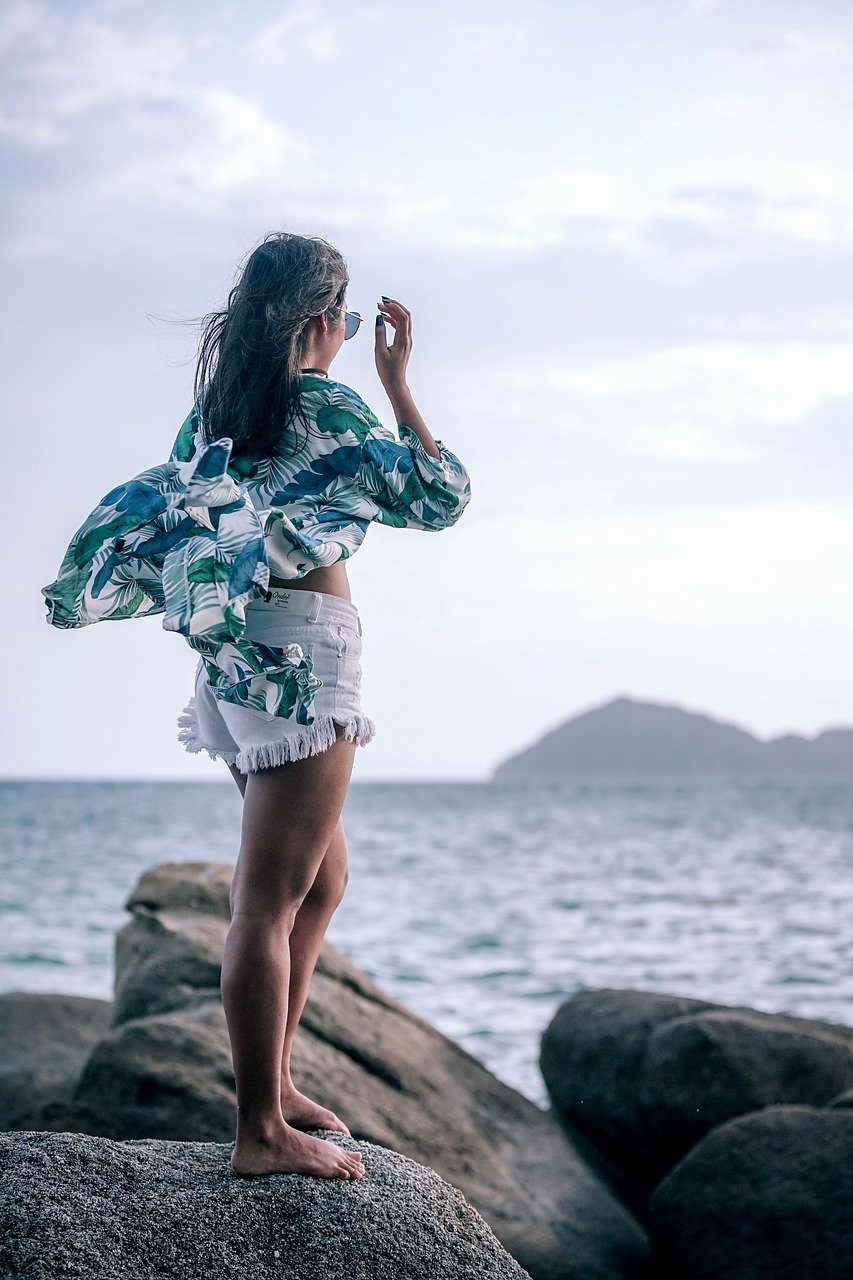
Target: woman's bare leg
{"type": "Point", "coordinates": [306, 943]}
{"type": "Point", "coordinates": [289, 816]}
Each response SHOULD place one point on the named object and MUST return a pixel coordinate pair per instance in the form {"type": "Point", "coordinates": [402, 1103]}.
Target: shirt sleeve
{"type": "Point", "coordinates": [407, 486]}
{"type": "Point", "coordinates": [187, 440]}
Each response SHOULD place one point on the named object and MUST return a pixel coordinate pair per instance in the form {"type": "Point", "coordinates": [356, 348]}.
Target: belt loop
{"type": "Point", "coordinates": [316, 606]}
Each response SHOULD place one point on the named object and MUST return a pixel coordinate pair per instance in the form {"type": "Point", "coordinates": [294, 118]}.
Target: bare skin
{"type": "Point", "coordinates": [291, 872]}
{"type": "Point", "coordinates": [275, 873]}
{"type": "Point", "coordinates": [322, 343]}
{"type": "Point", "coordinates": [306, 941]}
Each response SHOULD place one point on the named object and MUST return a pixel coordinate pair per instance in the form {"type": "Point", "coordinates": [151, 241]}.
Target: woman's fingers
{"type": "Point", "coordinates": [401, 323]}
{"type": "Point", "coordinates": [395, 308]}
{"type": "Point", "coordinates": [393, 359]}
{"type": "Point", "coordinates": [394, 303]}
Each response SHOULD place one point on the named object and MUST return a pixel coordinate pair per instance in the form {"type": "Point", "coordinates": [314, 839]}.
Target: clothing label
{"type": "Point", "coordinates": [284, 598]}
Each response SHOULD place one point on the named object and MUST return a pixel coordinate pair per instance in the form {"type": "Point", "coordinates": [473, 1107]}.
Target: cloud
{"type": "Point", "coordinates": [106, 120]}
{"type": "Point", "coordinates": [306, 27]}
{"type": "Point", "coordinates": [57, 68]}
{"type": "Point", "coordinates": [727, 382]}
{"type": "Point", "coordinates": [684, 328]}
{"type": "Point", "coordinates": [795, 49]}
{"type": "Point", "coordinates": [771, 563]}
{"type": "Point", "coordinates": [111, 120]}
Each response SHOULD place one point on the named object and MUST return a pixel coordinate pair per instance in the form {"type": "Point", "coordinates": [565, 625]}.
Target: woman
{"type": "Point", "coordinates": [281, 705]}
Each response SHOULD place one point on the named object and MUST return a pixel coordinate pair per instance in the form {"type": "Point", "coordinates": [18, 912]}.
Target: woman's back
{"type": "Point", "coordinates": [316, 500]}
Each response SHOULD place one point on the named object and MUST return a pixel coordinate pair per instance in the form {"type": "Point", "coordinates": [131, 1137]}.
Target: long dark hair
{"type": "Point", "coordinates": [247, 384]}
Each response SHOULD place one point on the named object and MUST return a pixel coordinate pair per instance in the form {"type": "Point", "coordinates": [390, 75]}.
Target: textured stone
{"type": "Point", "coordinates": [645, 1075]}
{"type": "Point", "coordinates": [44, 1041]}
{"type": "Point", "coordinates": [769, 1194]}
{"type": "Point", "coordinates": [78, 1206]}
{"type": "Point", "coordinates": [388, 1073]}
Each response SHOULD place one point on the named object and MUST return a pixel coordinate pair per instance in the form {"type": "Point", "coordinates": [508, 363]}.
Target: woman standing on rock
{"type": "Point", "coordinates": [282, 705]}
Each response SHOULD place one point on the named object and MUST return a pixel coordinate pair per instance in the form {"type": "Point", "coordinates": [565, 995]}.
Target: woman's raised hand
{"type": "Point", "coordinates": [391, 361]}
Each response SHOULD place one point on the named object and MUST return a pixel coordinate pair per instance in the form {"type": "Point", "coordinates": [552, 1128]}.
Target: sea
{"type": "Point", "coordinates": [481, 906]}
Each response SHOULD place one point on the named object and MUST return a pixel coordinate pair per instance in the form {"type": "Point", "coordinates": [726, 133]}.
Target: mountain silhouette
{"type": "Point", "coordinates": [629, 737]}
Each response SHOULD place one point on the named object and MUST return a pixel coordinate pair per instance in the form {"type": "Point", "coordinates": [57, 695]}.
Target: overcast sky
{"type": "Point", "coordinates": [624, 231]}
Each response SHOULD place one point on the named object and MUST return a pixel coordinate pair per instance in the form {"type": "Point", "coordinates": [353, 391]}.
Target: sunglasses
{"type": "Point", "coordinates": [353, 320]}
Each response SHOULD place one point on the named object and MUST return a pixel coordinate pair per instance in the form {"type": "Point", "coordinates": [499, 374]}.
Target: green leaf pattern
{"type": "Point", "coordinates": [350, 471]}
{"type": "Point", "coordinates": [195, 539]}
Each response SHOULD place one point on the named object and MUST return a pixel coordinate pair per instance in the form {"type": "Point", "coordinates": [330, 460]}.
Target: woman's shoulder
{"type": "Point", "coordinates": [341, 393]}
{"type": "Point", "coordinates": [339, 408]}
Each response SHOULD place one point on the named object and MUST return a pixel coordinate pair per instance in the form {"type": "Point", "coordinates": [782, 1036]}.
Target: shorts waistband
{"type": "Point", "coordinates": [296, 602]}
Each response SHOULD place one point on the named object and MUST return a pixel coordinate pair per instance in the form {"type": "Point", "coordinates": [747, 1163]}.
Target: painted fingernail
{"type": "Point", "coordinates": [384, 299]}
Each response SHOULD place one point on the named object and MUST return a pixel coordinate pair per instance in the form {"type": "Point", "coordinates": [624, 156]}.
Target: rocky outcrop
{"type": "Point", "coordinates": [95, 1209]}
{"type": "Point", "coordinates": [766, 1194]}
{"type": "Point", "coordinates": [646, 1076]}
{"type": "Point", "coordinates": [629, 738]}
{"type": "Point", "coordinates": [164, 1072]}
{"type": "Point", "coordinates": [168, 955]}
{"type": "Point", "coordinates": [44, 1041]}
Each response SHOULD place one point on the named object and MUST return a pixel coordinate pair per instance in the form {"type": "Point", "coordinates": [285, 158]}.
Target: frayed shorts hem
{"type": "Point", "coordinates": [268, 755]}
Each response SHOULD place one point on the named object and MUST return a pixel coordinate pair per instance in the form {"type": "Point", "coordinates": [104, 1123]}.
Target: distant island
{"type": "Point", "coordinates": [632, 738]}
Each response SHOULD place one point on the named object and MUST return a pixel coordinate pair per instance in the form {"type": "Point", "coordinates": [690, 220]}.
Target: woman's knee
{"type": "Point", "coordinates": [327, 891]}
{"type": "Point", "coordinates": [293, 843]}
{"type": "Point", "coordinates": [332, 875]}
{"type": "Point", "coordinates": [264, 893]}
{"type": "Point", "coordinates": [265, 915]}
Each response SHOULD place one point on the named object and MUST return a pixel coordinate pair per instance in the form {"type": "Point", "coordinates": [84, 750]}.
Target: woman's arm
{"type": "Point", "coordinates": [391, 366]}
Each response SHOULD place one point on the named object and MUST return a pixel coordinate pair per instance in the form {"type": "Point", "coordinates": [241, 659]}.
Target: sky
{"type": "Point", "coordinates": [624, 230]}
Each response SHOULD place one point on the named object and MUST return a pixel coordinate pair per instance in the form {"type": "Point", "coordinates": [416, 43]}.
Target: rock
{"type": "Point", "coordinates": [591, 1058]}
{"type": "Point", "coordinates": [88, 1207]}
{"type": "Point", "coordinates": [707, 1068]}
{"type": "Point", "coordinates": [44, 1040]}
{"type": "Point", "coordinates": [766, 1194]}
{"type": "Point", "coordinates": [167, 1076]}
{"type": "Point", "coordinates": [168, 954]}
{"type": "Point", "coordinates": [166, 1073]}
{"type": "Point", "coordinates": [645, 1076]}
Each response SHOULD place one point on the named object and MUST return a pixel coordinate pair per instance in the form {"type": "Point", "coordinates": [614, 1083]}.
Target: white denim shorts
{"type": "Point", "coordinates": [327, 630]}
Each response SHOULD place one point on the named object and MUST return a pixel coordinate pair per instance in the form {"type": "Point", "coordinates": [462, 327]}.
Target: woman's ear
{"type": "Point", "coordinates": [317, 326]}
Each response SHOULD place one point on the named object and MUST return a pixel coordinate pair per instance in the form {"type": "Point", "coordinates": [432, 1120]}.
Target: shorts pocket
{"type": "Point", "coordinates": [277, 681]}
{"type": "Point", "coordinates": [346, 637]}
{"type": "Point", "coordinates": [347, 640]}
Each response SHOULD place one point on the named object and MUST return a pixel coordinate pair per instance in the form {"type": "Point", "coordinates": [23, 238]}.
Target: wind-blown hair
{"type": "Point", "coordinates": [247, 384]}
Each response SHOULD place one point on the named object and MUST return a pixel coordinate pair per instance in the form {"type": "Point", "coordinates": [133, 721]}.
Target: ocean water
{"type": "Point", "coordinates": [482, 907]}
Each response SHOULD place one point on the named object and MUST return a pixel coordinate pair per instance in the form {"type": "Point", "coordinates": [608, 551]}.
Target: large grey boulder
{"type": "Point", "coordinates": [77, 1206]}
{"type": "Point", "coordinates": [166, 1076]}
{"type": "Point", "coordinates": [44, 1041]}
{"type": "Point", "coordinates": [645, 1076]}
{"type": "Point", "coordinates": [766, 1194]}
{"type": "Point", "coordinates": [168, 954]}
{"type": "Point", "coordinates": [164, 1071]}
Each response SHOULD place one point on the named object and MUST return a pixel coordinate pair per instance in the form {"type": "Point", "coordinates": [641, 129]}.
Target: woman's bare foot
{"type": "Point", "coordinates": [304, 1113]}
{"type": "Point", "coordinates": [286, 1150]}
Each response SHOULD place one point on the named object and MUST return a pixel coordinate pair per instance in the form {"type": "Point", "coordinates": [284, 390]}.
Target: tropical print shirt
{"type": "Point", "coordinates": [182, 539]}
{"type": "Point", "coordinates": [315, 507]}
{"type": "Point", "coordinates": [196, 538]}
